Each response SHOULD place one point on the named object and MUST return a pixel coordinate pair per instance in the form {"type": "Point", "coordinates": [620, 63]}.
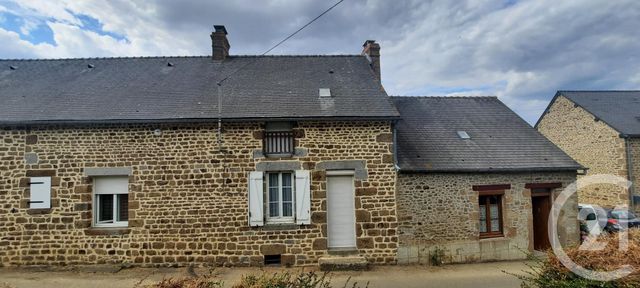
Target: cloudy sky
{"type": "Point", "coordinates": [521, 51]}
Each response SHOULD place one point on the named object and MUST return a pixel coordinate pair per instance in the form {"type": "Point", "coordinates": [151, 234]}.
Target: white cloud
{"type": "Point", "coordinates": [522, 53]}
{"type": "Point", "coordinates": [27, 27]}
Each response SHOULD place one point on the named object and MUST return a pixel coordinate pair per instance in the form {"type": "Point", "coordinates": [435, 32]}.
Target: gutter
{"type": "Point", "coordinates": [627, 144]}
{"type": "Point", "coordinates": [497, 170]}
{"type": "Point", "coordinates": [194, 120]}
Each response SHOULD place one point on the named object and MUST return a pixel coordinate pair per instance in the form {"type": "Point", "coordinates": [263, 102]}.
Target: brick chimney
{"type": "Point", "coordinates": [371, 50]}
{"type": "Point", "coordinates": [219, 43]}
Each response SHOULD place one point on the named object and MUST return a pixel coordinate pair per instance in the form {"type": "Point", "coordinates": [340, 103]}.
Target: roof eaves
{"type": "Point", "coordinates": [197, 120]}
{"type": "Point", "coordinates": [597, 118]}
{"type": "Point", "coordinates": [493, 170]}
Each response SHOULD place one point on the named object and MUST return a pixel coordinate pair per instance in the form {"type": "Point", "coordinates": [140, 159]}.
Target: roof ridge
{"type": "Point", "coordinates": [170, 57]}
{"type": "Point", "coordinates": [598, 91]}
{"type": "Point", "coordinates": [296, 55]}
{"type": "Point", "coordinates": [440, 97]}
{"type": "Point", "coordinates": [103, 58]}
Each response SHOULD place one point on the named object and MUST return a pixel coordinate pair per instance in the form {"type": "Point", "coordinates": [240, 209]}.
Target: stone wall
{"type": "Point", "coordinates": [635, 161]}
{"type": "Point", "coordinates": [188, 200]}
{"type": "Point", "coordinates": [441, 211]}
{"type": "Point", "coordinates": [592, 143]}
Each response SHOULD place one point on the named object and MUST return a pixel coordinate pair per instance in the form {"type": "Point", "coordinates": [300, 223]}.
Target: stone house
{"type": "Point", "coordinates": [244, 160]}
{"type": "Point", "coordinates": [476, 182]}
{"type": "Point", "coordinates": [599, 129]}
{"type": "Point", "coordinates": [121, 160]}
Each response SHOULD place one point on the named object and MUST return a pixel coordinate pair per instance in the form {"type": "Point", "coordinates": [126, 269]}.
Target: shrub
{"type": "Point", "coordinates": [265, 280]}
{"type": "Point", "coordinates": [287, 280]}
{"type": "Point", "coordinates": [195, 282]}
{"type": "Point", "coordinates": [550, 272]}
{"type": "Point", "coordinates": [436, 256]}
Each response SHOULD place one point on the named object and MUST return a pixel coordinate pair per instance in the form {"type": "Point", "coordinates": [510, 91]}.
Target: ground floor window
{"type": "Point", "coordinates": [280, 197]}
{"type": "Point", "coordinates": [111, 201]}
{"type": "Point", "coordinates": [490, 215]}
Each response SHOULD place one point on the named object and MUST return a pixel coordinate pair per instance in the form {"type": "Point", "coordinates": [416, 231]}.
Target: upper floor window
{"type": "Point", "coordinates": [279, 140]}
{"type": "Point", "coordinates": [111, 201]}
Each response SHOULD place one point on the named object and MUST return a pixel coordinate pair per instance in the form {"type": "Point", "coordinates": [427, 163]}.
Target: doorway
{"type": "Point", "coordinates": [541, 208]}
{"type": "Point", "coordinates": [341, 222]}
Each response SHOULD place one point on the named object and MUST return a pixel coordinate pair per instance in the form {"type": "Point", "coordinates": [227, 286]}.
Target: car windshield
{"type": "Point", "coordinates": [622, 215]}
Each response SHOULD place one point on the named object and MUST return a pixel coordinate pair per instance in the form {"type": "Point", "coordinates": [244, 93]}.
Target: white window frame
{"type": "Point", "coordinates": [96, 205]}
{"type": "Point", "coordinates": [279, 218]}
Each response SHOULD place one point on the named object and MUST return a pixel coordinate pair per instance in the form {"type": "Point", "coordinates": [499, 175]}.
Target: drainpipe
{"type": "Point", "coordinates": [627, 143]}
{"type": "Point", "coordinates": [395, 147]}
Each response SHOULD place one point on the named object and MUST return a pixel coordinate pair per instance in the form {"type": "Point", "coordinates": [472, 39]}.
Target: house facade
{"type": "Point", "coordinates": [600, 130]}
{"type": "Point", "coordinates": [241, 161]}
{"type": "Point", "coordinates": [121, 160]}
{"type": "Point", "coordinates": [476, 182]}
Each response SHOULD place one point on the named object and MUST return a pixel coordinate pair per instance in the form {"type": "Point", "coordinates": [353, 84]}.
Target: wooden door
{"type": "Point", "coordinates": [541, 208]}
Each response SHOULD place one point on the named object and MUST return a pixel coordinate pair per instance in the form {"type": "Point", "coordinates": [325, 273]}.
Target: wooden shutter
{"type": "Point", "coordinates": [303, 197]}
{"type": "Point", "coordinates": [40, 193]}
{"type": "Point", "coordinates": [256, 194]}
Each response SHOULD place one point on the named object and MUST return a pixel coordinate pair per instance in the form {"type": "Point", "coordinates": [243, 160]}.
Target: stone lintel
{"type": "Point", "coordinates": [108, 171]}
{"type": "Point", "coordinates": [359, 166]}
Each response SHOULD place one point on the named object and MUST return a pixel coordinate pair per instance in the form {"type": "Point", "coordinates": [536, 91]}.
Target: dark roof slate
{"type": "Point", "coordinates": [427, 138]}
{"type": "Point", "coordinates": [148, 88]}
{"type": "Point", "coordinates": [619, 109]}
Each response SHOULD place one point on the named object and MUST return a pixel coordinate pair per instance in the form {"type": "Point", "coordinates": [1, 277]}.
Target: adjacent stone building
{"type": "Point", "coordinates": [599, 129]}
{"type": "Point", "coordinates": [476, 182]}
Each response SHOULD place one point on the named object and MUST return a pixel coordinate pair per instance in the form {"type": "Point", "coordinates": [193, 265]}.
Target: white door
{"type": "Point", "coordinates": [341, 222]}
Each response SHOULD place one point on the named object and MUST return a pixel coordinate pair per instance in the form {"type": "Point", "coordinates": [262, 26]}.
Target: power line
{"type": "Point", "coordinates": [219, 84]}
{"type": "Point", "coordinates": [283, 40]}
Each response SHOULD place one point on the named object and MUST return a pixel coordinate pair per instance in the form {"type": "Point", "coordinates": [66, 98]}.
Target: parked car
{"type": "Point", "coordinates": [619, 219]}
{"type": "Point", "coordinates": [593, 220]}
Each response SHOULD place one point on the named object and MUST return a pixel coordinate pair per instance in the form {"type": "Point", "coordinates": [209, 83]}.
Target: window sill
{"type": "Point", "coordinates": [39, 211]}
{"type": "Point", "coordinates": [279, 156]}
{"type": "Point", "coordinates": [492, 237]}
{"type": "Point", "coordinates": [107, 231]}
{"type": "Point", "coordinates": [279, 226]}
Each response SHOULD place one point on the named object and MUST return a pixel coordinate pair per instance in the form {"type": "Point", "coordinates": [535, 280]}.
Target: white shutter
{"type": "Point", "coordinates": [303, 197]}
{"type": "Point", "coordinates": [40, 193]}
{"type": "Point", "coordinates": [256, 193]}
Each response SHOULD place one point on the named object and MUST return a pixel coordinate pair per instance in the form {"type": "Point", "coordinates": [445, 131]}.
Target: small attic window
{"type": "Point", "coordinates": [463, 135]}
{"type": "Point", "coordinates": [325, 92]}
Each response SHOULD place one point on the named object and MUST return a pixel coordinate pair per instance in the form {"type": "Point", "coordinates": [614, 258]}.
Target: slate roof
{"type": "Point", "coordinates": [619, 109]}
{"type": "Point", "coordinates": [500, 141]}
{"type": "Point", "coordinates": [148, 88]}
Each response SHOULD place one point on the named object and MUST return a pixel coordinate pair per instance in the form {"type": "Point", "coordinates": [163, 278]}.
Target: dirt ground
{"type": "Point", "coordinates": [449, 276]}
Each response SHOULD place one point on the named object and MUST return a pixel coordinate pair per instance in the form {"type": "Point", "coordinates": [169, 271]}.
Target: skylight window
{"type": "Point", "coordinates": [463, 135]}
{"type": "Point", "coordinates": [325, 92]}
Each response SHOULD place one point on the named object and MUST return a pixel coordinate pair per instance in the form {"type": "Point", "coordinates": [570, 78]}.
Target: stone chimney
{"type": "Point", "coordinates": [219, 43]}
{"type": "Point", "coordinates": [371, 50]}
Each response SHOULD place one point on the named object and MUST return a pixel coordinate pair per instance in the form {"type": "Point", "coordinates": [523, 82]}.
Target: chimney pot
{"type": "Point", "coordinates": [219, 43]}
{"type": "Point", "coordinates": [371, 50]}
{"type": "Point", "coordinates": [220, 28]}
